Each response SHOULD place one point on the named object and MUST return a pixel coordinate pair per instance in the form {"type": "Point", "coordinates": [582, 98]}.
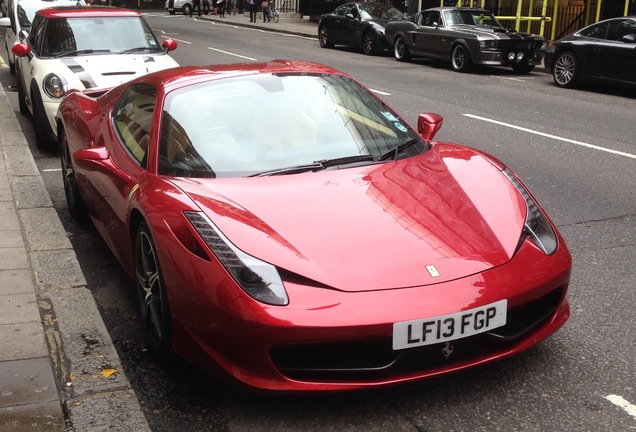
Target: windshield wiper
{"type": "Point", "coordinates": [290, 170]}
{"type": "Point", "coordinates": [395, 151]}
{"type": "Point", "coordinates": [326, 163]}
{"type": "Point", "coordinates": [138, 49]}
{"type": "Point", "coordinates": [79, 52]}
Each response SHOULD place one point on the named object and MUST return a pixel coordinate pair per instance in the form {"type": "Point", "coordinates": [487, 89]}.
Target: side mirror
{"type": "Point", "coordinates": [169, 45]}
{"type": "Point", "coordinates": [428, 124]}
{"type": "Point", "coordinates": [20, 50]}
{"type": "Point", "coordinates": [629, 38]}
{"type": "Point", "coordinates": [98, 158]}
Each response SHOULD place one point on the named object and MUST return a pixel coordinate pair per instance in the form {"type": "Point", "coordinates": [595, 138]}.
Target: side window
{"type": "Point", "coordinates": [598, 31]}
{"type": "Point", "coordinates": [35, 36]}
{"type": "Point", "coordinates": [620, 28]}
{"type": "Point", "coordinates": [430, 18]}
{"type": "Point", "coordinates": [132, 118]}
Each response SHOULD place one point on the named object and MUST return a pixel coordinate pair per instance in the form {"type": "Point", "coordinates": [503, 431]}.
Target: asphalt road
{"type": "Point", "coordinates": [574, 148]}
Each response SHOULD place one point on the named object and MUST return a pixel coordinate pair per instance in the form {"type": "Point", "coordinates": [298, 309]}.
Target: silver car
{"type": "Point", "coordinates": [464, 37]}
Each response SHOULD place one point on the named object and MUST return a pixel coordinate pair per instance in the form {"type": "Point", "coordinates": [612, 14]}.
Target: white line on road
{"type": "Point", "coordinates": [380, 92]}
{"type": "Point", "coordinates": [622, 403]}
{"type": "Point", "coordinates": [178, 40]}
{"type": "Point", "coordinates": [508, 78]}
{"type": "Point", "coordinates": [52, 170]}
{"type": "Point", "coordinates": [232, 54]}
{"type": "Point", "coordinates": [579, 143]}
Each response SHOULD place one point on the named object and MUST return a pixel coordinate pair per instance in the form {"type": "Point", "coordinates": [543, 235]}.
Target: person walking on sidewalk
{"type": "Point", "coordinates": [196, 4]}
{"type": "Point", "coordinates": [265, 9]}
{"type": "Point", "coordinates": [251, 5]}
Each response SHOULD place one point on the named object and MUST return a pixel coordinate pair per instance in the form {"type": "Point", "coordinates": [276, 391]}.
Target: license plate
{"type": "Point", "coordinates": [428, 331]}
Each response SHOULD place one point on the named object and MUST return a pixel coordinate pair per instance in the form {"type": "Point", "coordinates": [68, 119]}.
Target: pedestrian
{"type": "Point", "coordinates": [206, 7]}
{"type": "Point", "coordinates": [196, 4]}
{"type": "Point", "coordinates": [232, 7]}
{"type": "Point", "coordinates": [221, 8]}
{"type": "Point", "coordinates": [265, 9]}
{"type": "Point", "coordinates": [251, 5]}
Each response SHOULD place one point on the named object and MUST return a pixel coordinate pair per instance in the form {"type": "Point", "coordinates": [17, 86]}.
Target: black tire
{"type": "Point", "coordinates": [151, 293]}
{"type": "Point", "coordinates": [323, 37]}
{"type": "Point", "coordinates": [522, 68]}
{"type": "Point", "coordinates": [460, 59]}
{"type": "Point", "coordinates": [368, 43]}
{"type": "Point", "coordinates": [565, 69]}
{"type": "Point", "coordinates": [276, 17]}
{"type": "Point", "coordinates": [400, 50]}
{"type": "Point", "coordinates": [74, 201]}
{"type": "Point", "coordinates": [24, 108]}
{"type": "Point", "coordinates": [40, 123]}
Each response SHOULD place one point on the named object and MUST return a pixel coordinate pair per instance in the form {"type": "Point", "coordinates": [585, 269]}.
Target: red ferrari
{"type": "Point", "coordinates": [286, 228]}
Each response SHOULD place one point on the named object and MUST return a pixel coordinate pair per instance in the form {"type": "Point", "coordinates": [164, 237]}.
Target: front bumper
{"type": "Point", "coordinates": [327, 340]}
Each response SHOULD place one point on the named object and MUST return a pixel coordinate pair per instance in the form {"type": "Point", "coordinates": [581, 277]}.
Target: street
{"type": "Point", "coordinates": [574, 148]}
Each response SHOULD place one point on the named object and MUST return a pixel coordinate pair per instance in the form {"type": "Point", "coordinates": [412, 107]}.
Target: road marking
{"type": "Point", "coordinates": [178, 40]}
{"type": "Point", "coordinates": [622, 403]}
{"type": "Point", "coordinates": [232, 54]}
{"type": "Point", "coordinates": [508, 78]}
{"type": "Point", "coordinates": [543, 134]}
{"type": "Point", "coordinates": [380, 92]}
{"type": "Point", "coordinates": [3, 65]}
{"type": "Point", "coordinates": [52, 170]}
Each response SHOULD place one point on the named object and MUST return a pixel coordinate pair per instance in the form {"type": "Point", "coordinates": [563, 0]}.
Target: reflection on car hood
{"type": "Point", "coordinates": [104, 71]}
{"type": "Point", "coordinates": [373, 227]}
{"type": "Point", "coordinates": [494, 33]}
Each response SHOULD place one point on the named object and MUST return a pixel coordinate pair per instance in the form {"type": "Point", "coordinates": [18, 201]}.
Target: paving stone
{"type": "Point", "coordinates": [13, 258]}
{"type": "Point", "coordinates": [18, 308]}
{"type": "Point", "coordinates": [26, 382]}
{"type": "Point", "coordinates": [22, 341]}
{"type": "Point", "coordinates": [16, 281]}
{"type": "Point", "coordinates": [45, 416]}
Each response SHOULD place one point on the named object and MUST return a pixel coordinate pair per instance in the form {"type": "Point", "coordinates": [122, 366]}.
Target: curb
{"type": "Point", "coordinates": [93, 391]}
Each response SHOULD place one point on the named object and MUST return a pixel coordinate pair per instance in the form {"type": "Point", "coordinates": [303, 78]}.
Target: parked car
{"type": "Point", "coordinates": [81, 48]}
{"type": "Point", "coordinates": [183, 6]}
{"type": "Point", "coordinates": [604, 51]}
{"type": "Point", "coordinates": [464, 37]}
{"type": "Point", "coordinates": [328, 247]}
{"type": "Point", "coordinates": [359, 25]}
{"type": "Point", "coordinates": [18, 19]}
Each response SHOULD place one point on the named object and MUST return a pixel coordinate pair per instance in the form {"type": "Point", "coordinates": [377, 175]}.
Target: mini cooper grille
{"type": "Point", "coordinates": [359, 360]}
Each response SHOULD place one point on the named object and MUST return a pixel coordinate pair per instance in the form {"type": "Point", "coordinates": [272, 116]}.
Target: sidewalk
{"type": "Point", "coordinates": [59, 370]}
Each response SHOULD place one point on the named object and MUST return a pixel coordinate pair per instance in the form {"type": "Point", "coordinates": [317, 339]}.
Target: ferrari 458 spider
{"type": "Point", "coordinates": [304, 236]}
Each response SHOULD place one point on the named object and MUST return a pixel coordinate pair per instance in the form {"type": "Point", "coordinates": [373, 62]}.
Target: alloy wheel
{"type": "Point", "coordinates": [564, 72]}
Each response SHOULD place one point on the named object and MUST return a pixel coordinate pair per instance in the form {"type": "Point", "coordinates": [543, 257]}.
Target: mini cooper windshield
{"type": "Point", "coordinates": [276, 124]}
{"type": "Point", "coordinates": [77, 36]}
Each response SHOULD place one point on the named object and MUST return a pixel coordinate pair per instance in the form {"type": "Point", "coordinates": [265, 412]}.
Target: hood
{"type": "Point", "coordinates": [495, 32]}
{"type": "Point", "coordinates": [443, 215]}
{"type": "Point", "coordinates": [105, 71]}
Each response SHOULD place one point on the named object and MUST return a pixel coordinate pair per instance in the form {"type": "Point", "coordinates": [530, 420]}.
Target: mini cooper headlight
{"type": "Point", "coordinates": [55, 86]}
{"type": "Point", "coordinates": [537, 228]}
{"type": "Point", "coordinates": [257, 278]}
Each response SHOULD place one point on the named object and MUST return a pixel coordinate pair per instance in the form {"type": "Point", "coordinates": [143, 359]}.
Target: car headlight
{"type": "Point", "coordinates": [536, 228]}
{"type": "Point", "coordinates": [55, 86]}
{"type": "Point", "coordinates": [257, 278]}
{"type": "Point", "coordinates": [488, 44]}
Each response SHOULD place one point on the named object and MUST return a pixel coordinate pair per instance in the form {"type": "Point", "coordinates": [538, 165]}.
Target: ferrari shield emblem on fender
{"type": "Point", "coordinates": [432, 271]}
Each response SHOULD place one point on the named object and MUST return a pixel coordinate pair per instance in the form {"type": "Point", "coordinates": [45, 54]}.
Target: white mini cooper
{"type": "Point", "coordinates": [82, 48]}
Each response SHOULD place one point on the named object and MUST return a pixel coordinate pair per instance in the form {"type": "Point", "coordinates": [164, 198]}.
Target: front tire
{"type": "Point", "coordinates": [401, 51]}
{"type": "Point", "coordinates": [565, 70]}
{"type": "Point", "coordinates": [368, 43]}
{"type": "Point", "coordinates": [460, 59]}
{"type": "Point", "coordinates": [187, 9]}
{"type": "Point", "coordinates": [74, 201]}
{"type": "Point", "coordinates": [151, 293]}
{"type": "Point", "coordinates": [323, 37]}
{"type": "Point", "coordinates": [40, 123]}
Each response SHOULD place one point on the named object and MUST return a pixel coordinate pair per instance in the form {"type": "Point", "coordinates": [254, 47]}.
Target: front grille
{"type": "Point", "coordinates": [519, 45]}
{"type": "Point", "coordinates": [370, 359]}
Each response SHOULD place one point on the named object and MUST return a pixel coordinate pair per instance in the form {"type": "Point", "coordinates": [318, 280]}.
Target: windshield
{"type": "Point", "coordinates": [255, 124]}
{"type": "Point", "coordinates": [101, 34]}
{"type": "Point", "coordinates": [383, 12]}
{"type": "Point", "coordinates": [471, 17]}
